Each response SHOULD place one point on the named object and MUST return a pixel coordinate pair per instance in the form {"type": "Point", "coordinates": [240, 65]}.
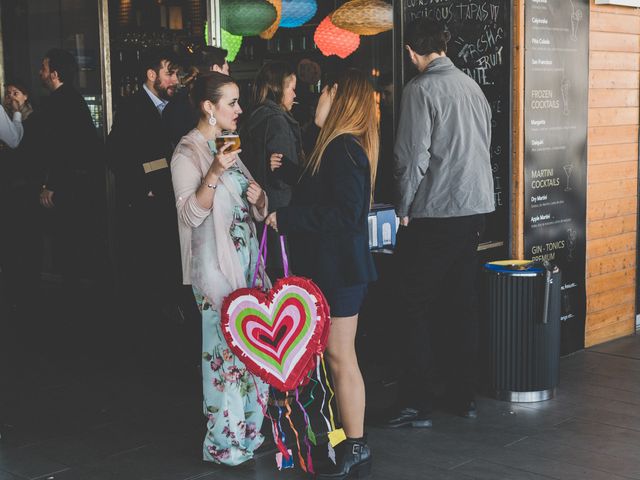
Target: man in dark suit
{"type": "Point", "coordinates": [180, 116]}
{"type": "Point", "coordinates": [68, 149]}
{"type": "Point", "coordinates": [139, 154]}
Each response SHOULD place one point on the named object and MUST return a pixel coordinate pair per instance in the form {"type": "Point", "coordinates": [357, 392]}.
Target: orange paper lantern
{"type": "Point", "coordinates": [332, 40]}
{"type": "Point", "coordinates": [271, 31]}
{"type": "Point", "coordinates": [364, 17]}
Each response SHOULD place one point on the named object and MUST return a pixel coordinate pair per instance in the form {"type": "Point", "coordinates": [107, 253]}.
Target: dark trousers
{"type": "Point", "coordinates": [149, 273]}
{"type": "Point", "coordinates": [149, 251]}
{"type": "Point", "coordinates": [437, 266]}
{"type": "Point", "coordinates": [20, 243]}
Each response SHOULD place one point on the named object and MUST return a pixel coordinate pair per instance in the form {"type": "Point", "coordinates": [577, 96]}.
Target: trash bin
{"type": "Point", "coordinates": [524, 329]}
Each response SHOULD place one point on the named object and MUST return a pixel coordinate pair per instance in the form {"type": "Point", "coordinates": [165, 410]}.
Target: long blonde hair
{"type": "Point", "coordinates": [353, 111]}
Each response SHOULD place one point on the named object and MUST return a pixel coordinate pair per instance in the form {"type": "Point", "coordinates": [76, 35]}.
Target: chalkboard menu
{"type": "Point", "coordinates": [481, 47]}
{"type": "Point", "coordinates": [555, 162]}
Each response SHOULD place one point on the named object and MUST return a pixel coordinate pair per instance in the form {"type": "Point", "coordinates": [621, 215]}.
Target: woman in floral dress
{"type": "Point", "coordinates": [217, 202]}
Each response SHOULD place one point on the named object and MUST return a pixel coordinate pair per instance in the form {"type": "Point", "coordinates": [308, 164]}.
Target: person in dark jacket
{"type": "Point", "coordinates": [327, 226]}
{"type": "Point", "coordinates": [139, 152]}
{"type": "Point", "coordinates": [272, 133]}
{"type": "Point", "coordinates": [70, 151]}
{"type": "Point", "coordinates": [20, 251]}
{"type": "Point", "coordinates": [181, 116]}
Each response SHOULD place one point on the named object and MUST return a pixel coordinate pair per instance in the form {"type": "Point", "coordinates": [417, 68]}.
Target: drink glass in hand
{"type": "Point", "coordinates": [228, 137]}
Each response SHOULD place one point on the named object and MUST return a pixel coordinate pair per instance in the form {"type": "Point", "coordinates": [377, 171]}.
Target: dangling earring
{"type": "Point", "coordinates": [212, 120]}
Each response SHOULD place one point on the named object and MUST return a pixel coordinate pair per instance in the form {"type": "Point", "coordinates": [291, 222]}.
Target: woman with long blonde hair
{"type": "Point", "coordinates": [327, 228]}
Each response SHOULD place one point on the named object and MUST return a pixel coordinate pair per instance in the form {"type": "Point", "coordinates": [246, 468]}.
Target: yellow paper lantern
{"type": "Point", "coordinates": [364, 17]}
{"type": "Point", "coordinates": [271, 31]}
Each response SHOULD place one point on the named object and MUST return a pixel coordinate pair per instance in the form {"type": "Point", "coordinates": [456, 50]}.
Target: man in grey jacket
{"type": "Point", "coordinates": [444, 185]}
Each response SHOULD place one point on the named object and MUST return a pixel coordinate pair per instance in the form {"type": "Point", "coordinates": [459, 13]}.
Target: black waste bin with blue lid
{"type": "Point", "coordinates": [524, 329]}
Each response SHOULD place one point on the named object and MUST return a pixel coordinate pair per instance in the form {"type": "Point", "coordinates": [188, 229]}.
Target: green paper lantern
{"type": "Point", "coordinates": [246, 17]}
{"type": "Point", "coordinates": [231, 43]}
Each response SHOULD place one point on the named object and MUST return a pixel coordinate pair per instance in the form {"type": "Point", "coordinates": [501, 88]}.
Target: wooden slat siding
{"type": "Point", "coordinates": [615, 189]}
{"type": "Point", "coordinates": [603, 301]}
{"type": "Point", "coordinates": [614, 22]}
{"type": "Point", "coordinates": [610, 208]}
{"type": "Point", "coordinates": [609, 332]}
{"type": "Point", "coordinates": [611, 315]}
{"type": "Point", "coordinates": [609, 264]}
{"type": "Point", "coordinates": [613, 135]}
{"type": "Point", "coordinates": [611, 226]}
{"type": "Point", "coordinates": [614, 60]}
{"type": "Point", "coordinates": [607, 172]}
{"type": "Point", "coordinates": [605, 97]}
{"type": "Point", "coordinates": [614, 42]}
{"type": "Point", "coordinates": [614, 81]}
{"type": "Point", "coordinates": [603, 247]}
{"type": "Point", "coordinates": [602, 117]}
{"type": "Point", "coordinates": [611, 281]}
{"type": "Point", "coordinates": [605, 154]}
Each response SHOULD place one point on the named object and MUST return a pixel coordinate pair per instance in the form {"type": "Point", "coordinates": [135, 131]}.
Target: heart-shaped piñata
{"type": "Point", "coordinates": [277, 334]}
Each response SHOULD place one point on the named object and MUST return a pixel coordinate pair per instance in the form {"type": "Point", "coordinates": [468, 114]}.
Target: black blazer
{"type": "Point", "coordinates": [138, 136]}
{"type": "Point", "coordinates": [327, 222]}
{"type": "Point", "coordinates": [179, 116]}
{"type": "Point", "coordinates": [67, 142]}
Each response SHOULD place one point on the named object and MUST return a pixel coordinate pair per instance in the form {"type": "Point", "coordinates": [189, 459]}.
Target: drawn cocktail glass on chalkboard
{"type": "Point", "coordinates": [572, 237]}
{"type": "Point", "coordinates": [564, 91]}
{"type": "Point", "coordinates": [568, 169]}
{"type": "Point", "coordinates": [576, 16]}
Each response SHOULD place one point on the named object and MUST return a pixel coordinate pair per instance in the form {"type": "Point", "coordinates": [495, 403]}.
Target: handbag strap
{"type": "Point", "coordinates": [262, 258]}
{"type": "Point", "coordinates": [285, 259]}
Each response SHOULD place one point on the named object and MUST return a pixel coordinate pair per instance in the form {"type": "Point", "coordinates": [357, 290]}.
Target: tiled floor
{"type": "Point", "coordinates": [98, 419]}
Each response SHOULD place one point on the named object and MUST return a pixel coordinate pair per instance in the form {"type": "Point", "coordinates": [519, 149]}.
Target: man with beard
{"type": "Point", "coordinates": [139, 154]}
{"type": "Point", "coordinates": [180, 116]}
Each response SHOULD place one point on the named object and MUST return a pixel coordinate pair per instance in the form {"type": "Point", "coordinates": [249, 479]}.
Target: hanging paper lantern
{"type": "Point", "coordinates": [364, 17]}
{"type": "Point", "coordinates": [231, 43]}
{"type": "Point", "coordinates": [271, 31]}
{"type": "Point", "coordinates": [246, 17]}
{"type": "Point", "coordinates": [297, 12]}
{"type": "Point", "coordinates": [332, 40]}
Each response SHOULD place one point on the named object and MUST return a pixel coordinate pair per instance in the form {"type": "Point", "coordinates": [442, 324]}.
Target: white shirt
{"type": "Point", "coordinates": [11, 131]}
{"type": "Point", "coordinates": [158, 102]}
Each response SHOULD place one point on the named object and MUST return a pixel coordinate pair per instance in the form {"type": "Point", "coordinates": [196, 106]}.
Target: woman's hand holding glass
{"type": "Point", "coordinates": [223, 160]}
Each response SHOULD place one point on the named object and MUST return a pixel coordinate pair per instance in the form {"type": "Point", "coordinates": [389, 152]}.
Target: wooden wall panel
{"type": "Point", "coordinates": [607, 172]}
{"type": "Point", "coordinates": [614, 81]}
{"type": "Point", "coordinates": [619, 97]}
{"type": "Point", "coordinates": [606, 154]}
{"type": "Point", "coordinates": [611, 226]}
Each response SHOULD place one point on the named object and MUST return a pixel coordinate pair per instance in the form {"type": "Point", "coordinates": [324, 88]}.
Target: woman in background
{"type": "Point", "coordinates": [21, 246]}
{"type": "Point", "coordinates": [327, 228]}
{"type": "Point", "coordinates": [271, 132]}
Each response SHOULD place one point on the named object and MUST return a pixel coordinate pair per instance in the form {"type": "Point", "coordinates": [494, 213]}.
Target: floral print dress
{"type": "Point", "coordinates": [231, 402]}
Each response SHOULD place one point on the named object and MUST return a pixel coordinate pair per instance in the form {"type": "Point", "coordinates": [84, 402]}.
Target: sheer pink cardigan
{"type": "Point", "coordinates": [209, 259]}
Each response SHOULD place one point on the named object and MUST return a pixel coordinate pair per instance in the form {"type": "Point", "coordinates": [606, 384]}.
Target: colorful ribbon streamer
{"type": "Point", "coordinates": [295, 432]}
{"type": "Point", "coordinates": [307, 425]}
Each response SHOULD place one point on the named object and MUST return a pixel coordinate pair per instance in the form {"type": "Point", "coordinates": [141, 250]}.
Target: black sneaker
{"type": "Point", "coordinates": [409, 417]}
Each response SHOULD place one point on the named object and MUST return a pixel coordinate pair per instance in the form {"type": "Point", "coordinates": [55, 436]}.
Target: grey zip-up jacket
{"type": "Point", "coordinates": [442, 152]}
